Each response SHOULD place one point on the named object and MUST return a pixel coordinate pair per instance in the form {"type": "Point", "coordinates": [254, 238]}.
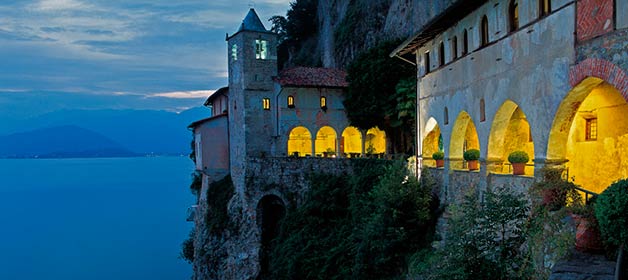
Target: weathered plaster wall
{"type": "Point", "coordinates": [214, 150]}
{"type": "Point", "coordinates": [595, 17]}
{"type": "Point", "coordinates": [621, 8]}
{"type": "Point", "coordinates": [529, 67]}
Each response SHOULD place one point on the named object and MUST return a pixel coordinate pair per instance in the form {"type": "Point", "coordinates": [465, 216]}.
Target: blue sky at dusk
{"type": "Point", "coordinates": [116, 54]}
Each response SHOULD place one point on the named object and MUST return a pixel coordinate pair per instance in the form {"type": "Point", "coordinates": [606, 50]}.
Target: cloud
{"type": "Point", "coordinates": [57, 5]}
{"type": "Point", "coordinates": [185, 94]}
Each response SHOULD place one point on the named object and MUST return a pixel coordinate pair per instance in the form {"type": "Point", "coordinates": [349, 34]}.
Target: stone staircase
{"type": "Point", "coordinates": [584, 266]}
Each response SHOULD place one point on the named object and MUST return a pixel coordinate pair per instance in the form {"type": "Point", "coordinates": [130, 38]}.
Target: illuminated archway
{"type": "Point", "coordinates": [432, 142]}
{"type": "Point", "coordinates": [464, 137]}
{"type": "Point", "coordinates": [510, 131]}
{"type": "Point", "coordinates": [375, 141]}
{"type": "Point", "coordinates": [300, 142]}
{"type": "Point", "coordinates": [351, 143]}
{"type": "Point", "coordinates": [325, 141]}
{"type": "Point", "coordinates": [590, 130]}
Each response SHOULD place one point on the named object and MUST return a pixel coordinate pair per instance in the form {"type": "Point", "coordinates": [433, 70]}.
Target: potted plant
{"type": "Point", "coordinates": [553, 191]}
{"type": "Point", "coordinates": [611, 211]}
{"type": "Point", "coordinates": [518, 159]}
{"type": "Point", "coordinates": [587, 231]}
{"type": "Point", "coordinates": [472, 156]}
{"type": "Point", "coordinates": [439, 157]}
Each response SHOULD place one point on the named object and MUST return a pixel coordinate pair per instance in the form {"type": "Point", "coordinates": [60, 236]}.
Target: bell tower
{"type": "Point", "coordinates": [252, 61]}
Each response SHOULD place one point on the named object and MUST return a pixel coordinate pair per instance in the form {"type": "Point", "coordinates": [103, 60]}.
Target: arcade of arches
{"type": "Point", "coordinates": [589, 136]}
{"type": "Point", "coordinates": [352, 142]}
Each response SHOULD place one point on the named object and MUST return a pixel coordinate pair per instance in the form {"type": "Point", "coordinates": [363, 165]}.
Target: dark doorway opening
{"type": "Point", "coordinates": [270, 211]}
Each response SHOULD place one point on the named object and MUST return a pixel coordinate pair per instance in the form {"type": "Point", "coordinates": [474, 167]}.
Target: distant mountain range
{"type": "Point", "coordinates": [99, 133]}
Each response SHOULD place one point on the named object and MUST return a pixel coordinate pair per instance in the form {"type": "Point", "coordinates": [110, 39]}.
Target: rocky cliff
{"type": "Point", "coordinates": [347, 27]}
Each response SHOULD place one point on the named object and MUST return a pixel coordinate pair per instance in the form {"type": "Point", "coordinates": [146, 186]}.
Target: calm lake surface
{"type": "Point", "coordinates": [91, 219]}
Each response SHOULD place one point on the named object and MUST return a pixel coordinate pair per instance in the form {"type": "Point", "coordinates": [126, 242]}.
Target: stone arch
{"type": "Point", "coordinates": [351, 142]}
{"type": "Point", "coordinates": [325, 141]}
{"type": "Point", "coordinates": [375, 141]}
{"type": "Point", "coordinates": [432, 142]}
{"type": "Point", "coordinates": [300, 142]}
{"type": "Point", "coordinates": [271, 209]}
{"type": "Point", "coordinates": [464, 136]}
{"type": "Point", "coordinates": [510, 131]}
{"type": "Point", "coordinates": [590, 134]}
{"type": "Point", "coordinates": [600, 68]}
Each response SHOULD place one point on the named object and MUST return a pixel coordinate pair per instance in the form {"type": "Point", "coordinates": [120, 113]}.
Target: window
{"type": "Point", "coordinates": [465, 42]}
{"type": "Point", "coordinates": [290, 101]}
{"type": "Point", "coordinates": [441, 54]}
{"type": "Point", "coordinates": [266, 103]}
{"type": "Point", "coordinates": [482, 111]}
{"type": "Point", "coordinates": [454, 47]}
{"type": "Point", "coordinates": [323, 102]}
{"type": "Point", "coordinates": [513, 15]}
{"type": "Point", "coordinates": [545, 7]}
{"type": "Point", "coordinates": [261, 50]}
{"type": "Point", "coordinates": [591, 129]}
{"type": "Point", "coordinates": [446, 116]}
{"type": "Point", "coordinates": [484, 32]}
{"type": "Point", "coordinates": [234, 52]}
{"type": "Point", "coordinates": [426, 59]}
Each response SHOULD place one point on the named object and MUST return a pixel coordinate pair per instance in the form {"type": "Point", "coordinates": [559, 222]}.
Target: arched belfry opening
{"type": "Point", "coordinates": [590, 135]}
{"type": "Point", "coordinates": [270, 211]}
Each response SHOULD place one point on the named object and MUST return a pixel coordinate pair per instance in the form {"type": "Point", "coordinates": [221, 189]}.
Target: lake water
{"type": "Point", "coordinates": [91, 219]}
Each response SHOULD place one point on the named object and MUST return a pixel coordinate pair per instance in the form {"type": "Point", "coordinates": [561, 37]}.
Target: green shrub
{"type": "Point", "coordinates": [518, 157]}
{"type": "Point", "coordinates": [197, 182]}
{"type": "Point", "coordinates": [187, 248]}
{"type": "Point", "coordinates": [219, 194]}
{"type": "Point", "coordinates": [438, 155]}
{"type": "Point", "coordinates": [611, 211]}
{"type": "Point", "coordinates": [473, 154]}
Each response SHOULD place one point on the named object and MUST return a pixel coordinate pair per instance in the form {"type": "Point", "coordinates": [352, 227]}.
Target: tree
{"type": "Point", "coordinates": [382, 93]}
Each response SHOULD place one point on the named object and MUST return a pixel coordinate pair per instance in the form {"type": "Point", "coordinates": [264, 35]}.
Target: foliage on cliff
{"type": "Point", "coordinates": [355, 227]}
{"type": "Point", "coordinates": [296, 34]}
{"type": "Point", "coordinates": [382, 93]}
{"type": "Point", "coordinates": [219, 194]}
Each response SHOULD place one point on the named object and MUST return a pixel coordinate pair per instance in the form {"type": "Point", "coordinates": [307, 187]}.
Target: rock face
{"type": "Point", "coordinates": [348, 27]}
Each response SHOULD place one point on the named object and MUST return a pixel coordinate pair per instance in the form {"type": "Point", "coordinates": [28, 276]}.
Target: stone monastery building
{"type": "Point", "coordinates": [548, 77]}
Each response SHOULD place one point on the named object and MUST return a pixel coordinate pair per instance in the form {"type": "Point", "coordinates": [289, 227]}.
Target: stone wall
{"type": "Point", "coordinates": [612, 47]}
{"type": "Point", "coordinates": [519, 184]}
{"type": "Point", "coordinates": [461, 183]}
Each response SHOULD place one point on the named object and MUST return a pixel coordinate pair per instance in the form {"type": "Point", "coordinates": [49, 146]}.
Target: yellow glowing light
{"type": "Point", "coordinates": [300, 142]}
{"type": "Point", "coordinates": [375, 141]}
{"type": "Point", "coordinates": [325, 141]}
{"type": "Point", "coordinates": [351, 141]}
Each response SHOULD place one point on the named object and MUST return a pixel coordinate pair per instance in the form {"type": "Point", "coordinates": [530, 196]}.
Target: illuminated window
{"type": "Point", "coordinates": [234, 52]}
{"type": "Point", "coordinates": [261, 50]}
{"type": "Point", "coordinates": [454, 47]}
{"type": "Point", "coordinates": [266, 103]}
{"type": "Point", "coordinates": [482, 111]}
{"type": "Point", "coordinates": [513, 14]}
{"type": "Point", "coordinates": [323, 102]}
{"type": "Point", "coordinates": [465, 42]}
{"type": "Point", "coordinates": [441, 54]}
{"type": "Point", "coordinates": [446, 116]}
{"type": "Point", "coordinates": [426, 59]}
{"type": "Point", "coordinates": [545, 7]}
{"type": "Point", "coordinates": [290, 101]}
{"type": "Point", "coordinates": [484, 32]}
{"type": "Point", "coordinates": [591, 129]}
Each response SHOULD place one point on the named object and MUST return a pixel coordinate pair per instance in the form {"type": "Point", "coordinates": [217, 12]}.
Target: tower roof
{"type": "Point", "coordinates": [252, 23]}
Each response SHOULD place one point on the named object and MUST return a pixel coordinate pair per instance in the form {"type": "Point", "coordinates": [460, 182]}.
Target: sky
{"type": "Point", "coordinates": [116, 54]}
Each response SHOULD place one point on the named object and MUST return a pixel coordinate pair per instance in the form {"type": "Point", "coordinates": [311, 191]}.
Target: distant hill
{"type": "Point", "coordinates": [60, 142]}
{"type": "Point", "coordinates": [140, 131]}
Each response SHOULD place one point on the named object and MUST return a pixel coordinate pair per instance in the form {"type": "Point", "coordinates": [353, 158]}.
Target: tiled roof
{"type": "Point", "coordinates": [313, 77]}
{"type": "Point", "coordinates": [222, 91]}
{"type": "Point", "coordinates": [252, 23]}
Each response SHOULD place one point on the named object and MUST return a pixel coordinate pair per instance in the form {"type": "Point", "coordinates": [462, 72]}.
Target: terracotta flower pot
{"type": "Point", "coordinates": [473, 165]}
{"type": "Point", "coordinates": [554, 198]}
{"type": "Point", "coordinates": [440, 162]}
{"type": "Point", "coordinates": [587, 234]}
{"type": "Point", "coordinates": [518, 168]}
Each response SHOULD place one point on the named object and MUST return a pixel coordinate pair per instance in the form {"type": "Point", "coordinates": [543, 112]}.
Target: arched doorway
{"type": "Point", "coordinates": [432, 143]}
{"type": "Point", "coordinates": [464, 137]}
{"type": "Point", "coordinates": [375, 142]}
{"type": "Point", "coordinates": [300, 142]}
{"type": "Point", "coordinates": [270, 211]}
{"type": "Point", "coordinates": [326, 142]}
{"type": "Point", "coordinates": [351, 142]}
{"type": "Point", "coordinates": [510, 131]}
{"type": "Point", "coordinates": [590, 131]}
